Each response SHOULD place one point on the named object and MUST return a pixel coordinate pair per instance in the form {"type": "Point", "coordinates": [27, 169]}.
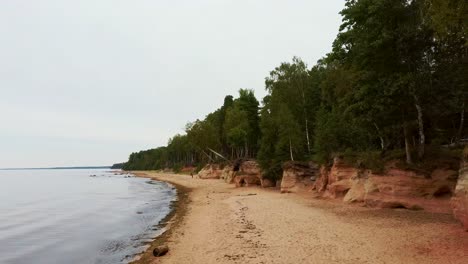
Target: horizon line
{"type": "Point", "coordinates": [59, 168]}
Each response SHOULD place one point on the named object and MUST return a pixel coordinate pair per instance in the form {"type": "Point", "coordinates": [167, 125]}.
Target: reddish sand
{"type": "Point", "coordinates": [219, 223]}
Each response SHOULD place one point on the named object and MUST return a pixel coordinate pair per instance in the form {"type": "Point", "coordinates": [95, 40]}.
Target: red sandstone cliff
{"type": "Point", "coordinates": [210, 171]}
{"type": "Point", "coordinates": [298, 176]}
{"type": "Point", "coordinates": [460, 197]}
{"type": "Point", "coordinates": [396, 188]}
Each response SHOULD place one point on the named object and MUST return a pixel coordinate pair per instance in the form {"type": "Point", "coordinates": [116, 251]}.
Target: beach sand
{"type": "Point", "coordinates": [217, 223]}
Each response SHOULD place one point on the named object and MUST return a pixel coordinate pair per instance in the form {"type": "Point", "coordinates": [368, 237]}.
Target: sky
{"type": "Point", "coordinates": [88, 82]}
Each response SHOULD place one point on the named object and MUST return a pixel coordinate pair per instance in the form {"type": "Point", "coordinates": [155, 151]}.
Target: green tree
{"type": "Point", "coordinates": [242, 125]}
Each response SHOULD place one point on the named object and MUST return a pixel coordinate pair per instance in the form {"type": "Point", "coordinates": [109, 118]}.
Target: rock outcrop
{"type": "Point", "coordinates": [298, 176]}
{"type": "Point", "coordinates": [321, 182]}
{"type": "Point", "coordinates": [250, 167]}
{"type": "Point", "coordinates": [188, 169]}
{"type": "Point", "coordinates": [228, 174]}
{"type": "Point", "coordinates": [460, 198]}
{"type": "Point", "coordinates": [246, 180]}
{"type": "Point", "coordinates": [243, 172]}
{"type": "Point", "coordinates": [247, 173]}
{"type": "Point", "coordinates": [340, 179]}
{"type": "Point", "coordinates": [396, 188]}
{"type": "Point", "coordinates": [267, 183]}
{"type": "Point", "coordinates": [210, 171]}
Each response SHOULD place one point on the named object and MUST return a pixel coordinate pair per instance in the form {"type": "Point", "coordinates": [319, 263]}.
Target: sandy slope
{"type": "Point", "coordinates": [224, 224]}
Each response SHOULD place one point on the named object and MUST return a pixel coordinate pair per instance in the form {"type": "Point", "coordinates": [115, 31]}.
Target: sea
{"type": "Point", "coordinates": [55, 216]}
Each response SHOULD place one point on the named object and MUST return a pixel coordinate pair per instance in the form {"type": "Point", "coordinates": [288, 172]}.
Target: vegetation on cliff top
{"type": "Point", "coordinates": [395, 81]}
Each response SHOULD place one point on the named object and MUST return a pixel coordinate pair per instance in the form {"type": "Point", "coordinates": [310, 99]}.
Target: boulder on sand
{"type": "Point", "coordinates": [160, 250]}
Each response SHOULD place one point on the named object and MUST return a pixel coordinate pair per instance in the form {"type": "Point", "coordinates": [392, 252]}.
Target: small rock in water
{"type": "Point", "coordinates": [139, 212]}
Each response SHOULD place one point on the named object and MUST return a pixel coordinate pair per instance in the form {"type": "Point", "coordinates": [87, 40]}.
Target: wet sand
{"type": "Point", "coordinates": [217, 223]}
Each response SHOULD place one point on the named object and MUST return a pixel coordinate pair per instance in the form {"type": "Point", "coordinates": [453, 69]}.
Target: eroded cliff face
{"type": "Point", "coordinates": [396, 188]}
{"type": "Point", "coordinates": [250, 169]}
{"type": "Point", "coordinates": [460, 198]}
{"type": "Point", "coordinates": [241, 173]}
{"type": "Point", "coordinates": [210, 171]}
{"type": "Point", "coordinates": [247, 173]}
{"type": "Point", "coordinates": [298, 176]}
{"type": "Point", "coordinates": [228, 174]}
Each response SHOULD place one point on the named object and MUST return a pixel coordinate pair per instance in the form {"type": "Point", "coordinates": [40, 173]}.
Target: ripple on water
{"type": "Point", "coordinates": [69, 217]}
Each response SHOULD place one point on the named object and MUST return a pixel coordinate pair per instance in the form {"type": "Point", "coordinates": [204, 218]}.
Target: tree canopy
{"type": "Point", "coordinates": [395, 81]}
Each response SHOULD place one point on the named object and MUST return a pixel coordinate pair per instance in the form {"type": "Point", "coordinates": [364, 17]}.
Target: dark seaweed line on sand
{"type": "Point", "coordinates": [170, 222]}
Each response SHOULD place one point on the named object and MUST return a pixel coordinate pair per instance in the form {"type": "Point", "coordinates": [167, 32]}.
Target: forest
{"type": "Point", "coordinates": [392, 87]}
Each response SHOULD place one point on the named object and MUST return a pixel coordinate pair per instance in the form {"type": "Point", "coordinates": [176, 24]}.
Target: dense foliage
{"type": "Point", "coordinates": [118, 165]}
{"type": "Point", "coordinates": [395, 80]}
{"type": "Point", "coordinates": [230, 132]}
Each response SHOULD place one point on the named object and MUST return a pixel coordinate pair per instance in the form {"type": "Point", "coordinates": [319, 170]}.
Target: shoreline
{"type": "Point", "coordinates": [169, 223]}
{"type": "Point", "coordinates": [218, 223]}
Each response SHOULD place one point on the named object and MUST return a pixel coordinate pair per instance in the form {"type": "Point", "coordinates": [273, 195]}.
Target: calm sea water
{"type": "Point", "coordinates": [66, 216]}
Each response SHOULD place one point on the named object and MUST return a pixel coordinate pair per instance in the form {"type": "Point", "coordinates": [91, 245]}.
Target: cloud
{"type": "Point", "coordinates": [26, 121]}
{"type": "Point", "coordinates": [132, 73]}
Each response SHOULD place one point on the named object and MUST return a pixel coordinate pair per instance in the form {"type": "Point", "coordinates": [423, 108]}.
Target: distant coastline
{"type": "Point", "coordinates": [61, 168]}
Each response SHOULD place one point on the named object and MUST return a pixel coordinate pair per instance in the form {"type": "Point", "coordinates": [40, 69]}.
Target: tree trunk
{"type": "Point", "coordinates": [305, 117]}
{"type": "Point", "coordinates": [382, 141]}
{"type": "Point", "coordinates": [307, 131]}
{"type": "Point", "coordinates": [409, 159]}
{"type": "Point", "coordinates": [290, 150]}
{"type": "Point", "coordinates": [462, 121]}
{"type": "Point", "coordinates": [209, 157]}
{"type": "Point", "coordinates": [422, 138]}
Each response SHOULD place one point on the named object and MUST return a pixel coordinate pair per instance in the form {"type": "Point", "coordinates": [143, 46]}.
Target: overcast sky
{"type": "Point", "coordinates": [87, 82]}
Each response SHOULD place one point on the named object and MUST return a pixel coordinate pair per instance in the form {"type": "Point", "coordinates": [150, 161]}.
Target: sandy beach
{"type": "Point", "coordinates": [217, 223]}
